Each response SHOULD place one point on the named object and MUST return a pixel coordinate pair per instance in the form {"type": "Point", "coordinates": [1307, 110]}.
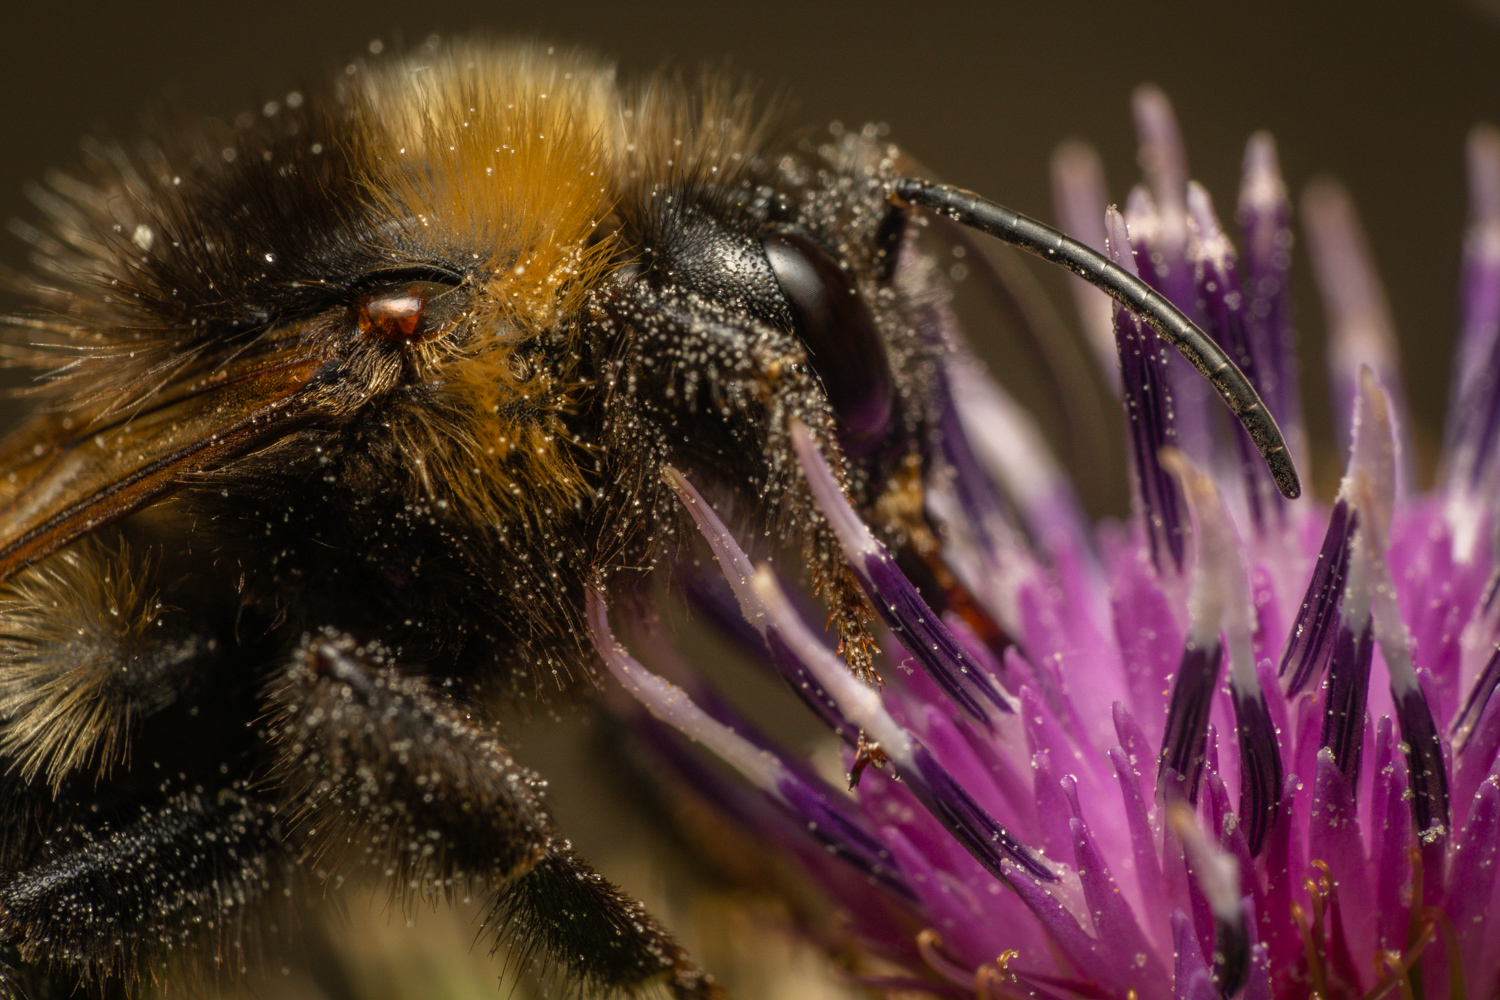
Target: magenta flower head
{"type": "Point", "coordinates": [1236, 746]}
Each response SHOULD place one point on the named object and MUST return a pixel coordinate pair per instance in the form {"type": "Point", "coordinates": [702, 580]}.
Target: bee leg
{"type": "Point", "coordinates": [110, 906]}
{"type": "Point", "coordinates": [382, 772]}
{"type": "Point", "coordinates": [88, 649]}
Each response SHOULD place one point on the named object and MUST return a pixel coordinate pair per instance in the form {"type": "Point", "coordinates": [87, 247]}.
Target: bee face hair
{"type": "Point", "coordinates": [380, 383]}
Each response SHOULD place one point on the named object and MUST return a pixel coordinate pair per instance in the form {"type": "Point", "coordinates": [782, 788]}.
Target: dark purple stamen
{"type": "Point", "coordinates": [1475, 424]}
{"type": "Point", "coordinates": [711, 597]}
{"type": "Point", "coordinates": [1148, 407]}
{"type": "Point", "coordinates": [833, 824]}
{"type": "Point", "coordinates": [1469, 443]}
{"type": "Point", "coordinates": [1222, 305]}
{"type": "Point", "coordinates": [920, 630]}
{"type": "Point", "coordinates": [1261, 772]}
{"type": "Point", "coordinates": [1184, 743]}
{"type": "Point", "coordinates": [1424, 761]}
{"type": "Point", "coordinates": [807, 687]}
{"type": "Point", "coordinates": [802, 798]}
{"type": "Point", "coordinates": [1348, 689]}
{"type": "Point", "coordinates": [989, 842]}
{"type": "Point", "coordinates": [791, 786]}
{"type": "Point", "coordinates": [1311, 641]}
{"type": "Point", "coordinates": [925, 636]}
{"type": "Point", "coordinates": [1231, 966]}
{"type": "Point", "coordinates": [1479, 697]}
{"type": "Point", "coordinates": [1161, 249]}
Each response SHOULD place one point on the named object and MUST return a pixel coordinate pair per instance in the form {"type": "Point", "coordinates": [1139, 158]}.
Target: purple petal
{"type": "Point", "coordinates": [1261, 772]}
{"type": "Point", "coordinates": [824, 815]}
{"type": "Point", "coordinates": [1231, 832]}
{"type": "Point", "coordinates": [1478, 753]}
{"type": "Point", "coordinates": [1052, 808]}
{"type": "Point", "coordinates": [1370, 485]}
{"type": "Point", "coordinates": [950, 745]}
{"type": "Point", "coordinates": [1220, 600]}
{"type": "Point", "coordinates": [1138, 819]}
{"type": "Point", "coordinates": [1121, 940]}
{"type": "Point", "coordinates": [952, 912]}
{"type": "Point", "coordinates": [1476, 857]}
{"type": "Point", "coordinates": [1060, 924]}
{"type": "Point", "coordinates": [1190, 976]}
{"type": "Point", "coordinates": [1335, 839]}
{"type": "Point", "coordinates": [801, 680]}
{"type": "Point", "coordinates": [937, 790]}
{"type": "Point", "coordinates": [829, 821]}
{"type": "Point", "coordinates": [1283, 864]}
{"type": "Point", "coordinates": [1133, 741]}
{"type": "Point", "coordinates": [971, 487]}
{"type": "Point", "coordinates": [1258, 987]}
{"type": "Point", "coordinates": [1006, 442]}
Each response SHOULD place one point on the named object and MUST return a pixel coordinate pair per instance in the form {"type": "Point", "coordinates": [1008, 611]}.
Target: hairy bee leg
{"type": "Point", "coordinates": [186, 876]}
{"type": "Point", "coordinates": [87, 649]}
{"type": "Point", "coordinates": [381, 773]}
{"type": "Point", "coordinates": [566, 910]}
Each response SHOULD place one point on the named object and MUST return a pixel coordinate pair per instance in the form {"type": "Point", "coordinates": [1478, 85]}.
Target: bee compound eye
{"type": "Point", "coordinates": [842, 342]}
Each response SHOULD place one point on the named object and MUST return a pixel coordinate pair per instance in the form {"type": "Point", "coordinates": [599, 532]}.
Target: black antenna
{"type": "Point", "coordinates": [968, 209]}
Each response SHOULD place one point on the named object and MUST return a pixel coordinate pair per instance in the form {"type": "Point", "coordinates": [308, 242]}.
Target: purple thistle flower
{"type": "Point", "coordinates": [1238, 746]}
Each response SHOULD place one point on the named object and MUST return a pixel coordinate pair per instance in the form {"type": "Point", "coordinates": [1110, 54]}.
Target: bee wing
{"type": "Point", "coordinates": [57, 484]}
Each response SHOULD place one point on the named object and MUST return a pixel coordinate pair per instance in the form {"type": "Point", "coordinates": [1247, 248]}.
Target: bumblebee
{"type": "Point", "coordinates": [344, 407]}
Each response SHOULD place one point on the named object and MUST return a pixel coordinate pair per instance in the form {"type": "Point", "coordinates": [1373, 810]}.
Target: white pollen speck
{"type": "Point", "coordinates": [294, 99]}
{"type": "Point", "coordinates": [270, 109]}
{"type": "Point", "coordinates": [143, 237]}
{"type": "Point", "coordinates": [376, 47]}
{"type": "Point", "coordinates": [317, 148]}
{"type": "Point", "coordinates": [270, 258]}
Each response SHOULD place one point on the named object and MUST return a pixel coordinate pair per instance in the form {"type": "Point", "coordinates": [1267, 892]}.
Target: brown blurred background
{"type": "Point", "coordinates": [1380, 95]}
